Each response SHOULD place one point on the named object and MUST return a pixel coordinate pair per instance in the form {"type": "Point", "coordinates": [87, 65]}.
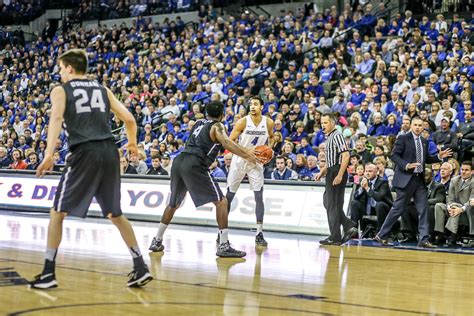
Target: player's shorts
{"type": "Point", "coordinates": [92, 170]}
{"type": "Point", "coordinates": [190, 173]}
{"type": "Point", "coordinates": [239, 167]}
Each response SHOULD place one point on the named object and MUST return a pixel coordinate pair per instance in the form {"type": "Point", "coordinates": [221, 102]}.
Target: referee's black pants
{"type": "Point", "coordinates": [333, 201]}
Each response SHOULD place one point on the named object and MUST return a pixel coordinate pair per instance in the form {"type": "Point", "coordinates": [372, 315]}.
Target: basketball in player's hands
{"type": "Point", "coordinates": [264, 153]}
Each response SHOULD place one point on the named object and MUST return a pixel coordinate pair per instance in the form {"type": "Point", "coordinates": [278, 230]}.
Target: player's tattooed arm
{"type": "Point", "coordinates": [221, 136]}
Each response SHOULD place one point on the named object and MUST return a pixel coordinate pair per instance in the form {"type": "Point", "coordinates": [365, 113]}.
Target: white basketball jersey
{"type": "Point", "coordinates": [254, 136]}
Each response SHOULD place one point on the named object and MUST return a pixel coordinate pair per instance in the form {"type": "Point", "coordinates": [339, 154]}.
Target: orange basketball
{"type": "Point", "coordinates": [265, 153]}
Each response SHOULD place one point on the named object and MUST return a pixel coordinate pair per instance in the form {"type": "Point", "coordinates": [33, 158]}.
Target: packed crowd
{"type": "Point", "coordinates": [375, 73]}
{"type": "Point", "coordinates": [116, 9]}
{"type": "Point", "coordinates": [20, 11]}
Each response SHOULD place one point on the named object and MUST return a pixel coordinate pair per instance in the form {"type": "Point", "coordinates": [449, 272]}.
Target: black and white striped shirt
{"type": "Point", "coordinates": [335, 146]}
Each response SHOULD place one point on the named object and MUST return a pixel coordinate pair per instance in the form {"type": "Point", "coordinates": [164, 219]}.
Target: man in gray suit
{"type": "Point", "coordinates": [461, 191]}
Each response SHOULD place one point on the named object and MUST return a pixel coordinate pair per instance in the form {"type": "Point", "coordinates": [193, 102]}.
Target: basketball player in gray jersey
{"type": "Point", "coordinates": [190, 173]}
{"type": "Point", "coordinates": [92, 167]}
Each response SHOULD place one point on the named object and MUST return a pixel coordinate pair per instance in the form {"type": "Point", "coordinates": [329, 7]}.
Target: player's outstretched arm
{"type": "Point", "coordinates": [58, 106]}
{"type": "Point", "coordinates": [130, 125]}
{"type": "Point", "coordinates": [218, 133]}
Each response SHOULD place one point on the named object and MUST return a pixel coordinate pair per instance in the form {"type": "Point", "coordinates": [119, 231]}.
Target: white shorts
{"type": "Point", "coordinates": [239, 167]}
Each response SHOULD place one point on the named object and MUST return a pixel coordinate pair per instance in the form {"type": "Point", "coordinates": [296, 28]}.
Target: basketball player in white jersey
{"type": "Point", "coordinates": [251, 131]}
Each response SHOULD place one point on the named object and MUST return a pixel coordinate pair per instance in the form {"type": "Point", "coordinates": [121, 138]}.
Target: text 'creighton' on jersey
{"type": "Point", "coordinates": [253, 136]}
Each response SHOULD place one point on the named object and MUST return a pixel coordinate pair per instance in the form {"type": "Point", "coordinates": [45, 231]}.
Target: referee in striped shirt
{"type": "Point", "coordinates": [337, 160]}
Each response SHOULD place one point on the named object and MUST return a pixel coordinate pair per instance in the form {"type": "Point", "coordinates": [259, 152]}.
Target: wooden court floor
{"type": "Point", "coordinates": [292, 276]}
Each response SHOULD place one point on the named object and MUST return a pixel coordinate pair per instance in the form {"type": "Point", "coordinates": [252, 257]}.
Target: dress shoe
{"type": "Point", "coordinates": [452, 241]}
{"type": "Point", "coordinates": [329, 242]}
{"type": "Point", "coordinates": [384, 242]}
{"type": "Point", "coordinates": [352, 232]}
{"type": "Point", "coordinates": [439, 240]}
{"type": "Point", "coordinates": [426, 244]}
{"type": "Point", "coordinates": [406, 237]}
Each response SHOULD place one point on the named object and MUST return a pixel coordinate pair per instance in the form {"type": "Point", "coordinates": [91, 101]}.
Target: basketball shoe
{"type": "Point", "coordinates": [226, 251]}
{"type": "Point", "coordinates": [44, 281]}
{"type": "Point", "coordinates": [260, 241]}
{"type": "Point", "coordinates": [156, 245]}
{"type": "Point", "coordinates": [139, 277]}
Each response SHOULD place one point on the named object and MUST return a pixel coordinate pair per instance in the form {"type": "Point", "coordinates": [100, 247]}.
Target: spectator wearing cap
{"type": "Point", "coordinates": [445, 138]}
{"type": "Point", "coordinates": [292, 120]}
{"type": "Point", "coordinates": [166, 162]}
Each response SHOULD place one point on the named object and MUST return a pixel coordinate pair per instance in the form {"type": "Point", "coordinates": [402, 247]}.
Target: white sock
{"type": "Point", "coordinates": [161, 231]}
{"type": "Point", "coordinates": [259, 228]}
{"type": "Point", "coordinates": [223, 235]}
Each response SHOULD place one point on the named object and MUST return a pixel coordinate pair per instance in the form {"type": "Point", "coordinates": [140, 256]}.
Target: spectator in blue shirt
{"type": "Point", "coordinates": [378, 128]}
{"type": "Point", "coordinates": [358, 96]}
{"type": "Point", "coordinates": [306, 149]}
{"type": "Point", "coordinates": [311, 168]}
{"type": "Point", "coordinates": [216, 172]}
{"type": "Point", "coordinates": [282, 172]}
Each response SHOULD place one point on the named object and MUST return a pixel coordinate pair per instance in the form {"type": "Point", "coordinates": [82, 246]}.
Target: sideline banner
{"type": "Point", "coordinates": [288, 208]}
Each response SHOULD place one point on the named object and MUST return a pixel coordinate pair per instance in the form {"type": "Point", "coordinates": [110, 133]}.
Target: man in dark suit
{"type": "Point", "coordinates": [372, 197]}
{"type": "Point", "coordinates": [436, 194]}
{"type": "Point", "coordinates": [410, 154]}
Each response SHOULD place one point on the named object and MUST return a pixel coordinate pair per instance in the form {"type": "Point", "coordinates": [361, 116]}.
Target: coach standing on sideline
{"type": "Point", "coordinates": [410, 154]}
{"type": "Point", "coordinates": [337, 160]}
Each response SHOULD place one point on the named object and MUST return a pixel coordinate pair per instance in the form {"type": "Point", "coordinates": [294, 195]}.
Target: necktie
{"type": "Point", "coordinates": [370, 202]}
{"type": "Point", "coordinates": [418, 169]}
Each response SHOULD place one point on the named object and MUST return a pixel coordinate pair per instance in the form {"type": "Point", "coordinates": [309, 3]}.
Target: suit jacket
{"type": "Point", "coordinates": [380, 193]}
{"type": "Point", "coordinates": [404, 152]}
{"type": "Point", "coordinates": [436, 193]}
{"type": "Point", "coordinates": [458, 194]}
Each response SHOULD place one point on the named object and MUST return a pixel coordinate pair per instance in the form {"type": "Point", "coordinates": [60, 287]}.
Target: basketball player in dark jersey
{"type": "Point", "coordinates": [92, 167]}
{"type": "Point", "coordinates": [190, 172]}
